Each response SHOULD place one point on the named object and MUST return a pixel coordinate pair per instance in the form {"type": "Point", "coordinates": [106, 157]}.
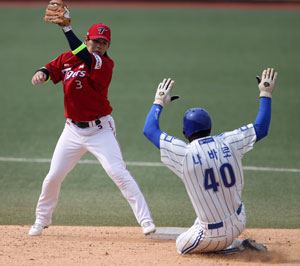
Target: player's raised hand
{"type": "Point", "coordinates": [38, 78]}
{"type": "Point", "coordinates": [163, 92]}
{"type": "Point", "coordinates": [266, 83]}
{"type": "Point", "coordinates": [57, 12]}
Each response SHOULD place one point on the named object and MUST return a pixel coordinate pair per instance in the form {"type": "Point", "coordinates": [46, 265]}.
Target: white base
{"type": "Point", "coordinates": [166, 233]}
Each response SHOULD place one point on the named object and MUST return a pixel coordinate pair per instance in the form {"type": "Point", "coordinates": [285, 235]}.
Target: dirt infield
{"type": "Point", "coordinates": [126, 246]}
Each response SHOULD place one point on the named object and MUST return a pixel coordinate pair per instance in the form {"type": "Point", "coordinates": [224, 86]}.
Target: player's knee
{"type": "Point", "coordinates": [117, 172]}
{"type": "Point", "coordinates": [180, 244]}
{"type": "Point", "coordinates": [179, 250]}
{"type": "Point", "coordinates": [54, 177]}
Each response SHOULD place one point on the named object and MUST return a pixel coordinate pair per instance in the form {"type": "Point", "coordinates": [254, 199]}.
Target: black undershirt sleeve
{"type": "Point", "coordinates": [44, 70]}
{"type": "Point", "coordinates": [74, 43]}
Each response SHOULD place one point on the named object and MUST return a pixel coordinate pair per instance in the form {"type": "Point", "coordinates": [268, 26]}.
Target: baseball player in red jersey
{"type": "Point", "coordinates": [86, 73]}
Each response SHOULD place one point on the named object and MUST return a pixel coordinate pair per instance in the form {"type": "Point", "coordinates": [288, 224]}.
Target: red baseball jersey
{"type": "Point", "coordinates": [85, 90]}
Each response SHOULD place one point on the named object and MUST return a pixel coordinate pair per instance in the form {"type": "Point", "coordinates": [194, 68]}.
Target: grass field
{"type": "Point", "coordinates": [213, 55]}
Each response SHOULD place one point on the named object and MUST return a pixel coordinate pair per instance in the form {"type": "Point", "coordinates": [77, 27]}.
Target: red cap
{"type": "Point", "coordinates": [99, 30]}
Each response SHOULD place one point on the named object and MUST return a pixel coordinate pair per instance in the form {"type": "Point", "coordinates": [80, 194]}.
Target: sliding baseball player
{"type": "Point", "coordinates": [211, 169]}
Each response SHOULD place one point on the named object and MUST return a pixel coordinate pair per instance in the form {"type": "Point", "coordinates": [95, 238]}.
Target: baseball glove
{"type": "Point", "coordinates": [57, 12]}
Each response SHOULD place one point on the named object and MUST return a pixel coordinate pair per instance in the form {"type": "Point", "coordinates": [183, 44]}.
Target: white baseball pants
{"type": "Point", "coordinates": [200, 239]}
{"type": "Point", "coordinates": [102, 143]}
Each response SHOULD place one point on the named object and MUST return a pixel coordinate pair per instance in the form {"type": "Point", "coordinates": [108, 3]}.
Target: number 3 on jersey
{"type": "Point", "coordinates": [78, 84]}
{"type": "Point", "coordinates": [210, 181]}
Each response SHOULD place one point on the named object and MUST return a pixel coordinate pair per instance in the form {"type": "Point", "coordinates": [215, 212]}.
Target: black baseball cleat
{"type": "Point", "coordinates": [249, 243]}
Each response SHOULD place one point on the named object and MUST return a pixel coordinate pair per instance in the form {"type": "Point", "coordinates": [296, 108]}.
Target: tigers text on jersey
{"type": "Point", "coordinates": [85, 90]}
{"type": "Point", "coordinates": [211, 170]}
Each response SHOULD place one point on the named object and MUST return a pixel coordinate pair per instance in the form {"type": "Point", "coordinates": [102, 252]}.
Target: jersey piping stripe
{"type": "Point", "coordinates": [177, 143]}
{"type": "Point", "coordinates": [185, 239]}
{"type": "Point", "coordinates": [235, 185]}
{"type": "Point", "coordinates": [177, 163]}
{"type": "Point", "coordinates": [232, 236]}
{"type": "Point", "coordinates": [238, 229]}
{"type": "Point", "coordinates": [211, 199]}
{"type": "Point", "coordinates": [208, 244]}
{"type": "Point", "coordinates": [170, 151]}
{"type": "Point", "coordinates": [195, 244]}
{"type": "Point", "coordinates": [173, 168]}
{"type": "Point", "coordinates": [196, 196]}
{"type": "Point", "coordinates": [247, 145]}
{"type": "Point", "coordinates": [239, 140]}
{"type": "Point", "coordinates": [241, 174]}
{"type": "Point", "coordinates": [226, 191]}
{"type": "Point", "coordinates": [168, 164]}
{"type": "Point", "coordinates": [218, 244]}
{"type": "Point", "coordinates": [221, 185]}
{"type": "Point", "coordinates": [228, 135]}
{"type": "Point", "coordinates": [212, 196]}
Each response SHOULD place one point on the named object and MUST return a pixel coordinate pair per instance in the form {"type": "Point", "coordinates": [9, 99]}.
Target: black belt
{"type": "Point", "coordinates": [86, 124]}
{"type": "Point", "coordinates": [220, 224]}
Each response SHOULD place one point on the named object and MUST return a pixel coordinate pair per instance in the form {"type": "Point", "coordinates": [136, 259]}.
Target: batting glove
{"type": "Point", "coordinates": [266, 83]}
{"type": "Point", "coordinates": [163, 93]}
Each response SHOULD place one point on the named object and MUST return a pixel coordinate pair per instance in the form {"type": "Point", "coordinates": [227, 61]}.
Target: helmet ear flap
{"type": "Point", "coordinates": [183, 132]}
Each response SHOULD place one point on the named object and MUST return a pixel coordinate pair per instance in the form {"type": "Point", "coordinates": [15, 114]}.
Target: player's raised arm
{"type": "Point", "coordinates": [266, 87]}
{"type": "Point", "coordinates": [162, 98]}
{"type": "Point", "coordinates": [58, 13]}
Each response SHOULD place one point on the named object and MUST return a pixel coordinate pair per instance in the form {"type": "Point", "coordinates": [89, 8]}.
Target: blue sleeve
{"type": "Point", "coordinates": [263, 118]}
{"type": "Point", "coordinates": [151, 127]}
